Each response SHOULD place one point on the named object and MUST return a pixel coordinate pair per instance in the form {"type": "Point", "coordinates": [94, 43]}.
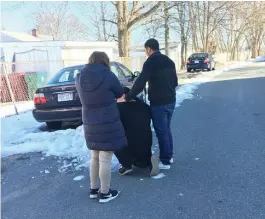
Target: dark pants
{"type": "Point", "coordinates": [161, 117]}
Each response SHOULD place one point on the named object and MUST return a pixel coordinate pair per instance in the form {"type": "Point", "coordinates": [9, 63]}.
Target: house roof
{"type": "Point", "coordinates": [8, 36]}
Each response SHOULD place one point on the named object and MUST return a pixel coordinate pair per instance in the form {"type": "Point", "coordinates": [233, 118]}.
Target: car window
{"type": "Point", "coordinates": [116, 70]}
{"type": "Point", "coordinates": [199, 55]}
{"type": "Point", "coordinates": [125, 70]}
{"type": "Point", "coordinates": [66, 75]}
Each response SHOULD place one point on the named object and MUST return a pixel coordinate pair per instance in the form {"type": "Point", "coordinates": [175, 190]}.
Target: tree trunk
{"type": "Point", "coordinates": [182, 54]}
{"type": "Point", "coordinates": [126, 20]}
{"type": "Point", "coordinates": [193, 27]}
{"type": "Point", "coordinates": [166, 17]}
{"type": "Point", "coordinates": [206, 49]}
{"type": "Point", "coordinates": [254, 49]}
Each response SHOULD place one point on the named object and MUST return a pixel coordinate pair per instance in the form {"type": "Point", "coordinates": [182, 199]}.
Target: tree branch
{"type": "Point", "coordinates": [110, 21]}
{"type": "Point", "coordinates": [144, 15]}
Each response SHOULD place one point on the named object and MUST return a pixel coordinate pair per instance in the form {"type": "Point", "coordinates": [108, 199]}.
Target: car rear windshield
{"type": "Point", "coordinates": [199, 55]}
{"type": "Point", "coordinates": [66, 75]}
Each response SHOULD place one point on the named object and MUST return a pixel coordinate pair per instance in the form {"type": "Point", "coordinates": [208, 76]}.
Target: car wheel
{"type": "Point", "coordinates": [54, 125]}
{"type": "Point", "coordinates": [209, 69]}
{"type": "Point", "coordinates": [188, 70]}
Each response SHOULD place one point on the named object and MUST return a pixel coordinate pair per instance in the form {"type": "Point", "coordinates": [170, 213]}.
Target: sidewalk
{"type": "Point", "coordinates": [7, 109]}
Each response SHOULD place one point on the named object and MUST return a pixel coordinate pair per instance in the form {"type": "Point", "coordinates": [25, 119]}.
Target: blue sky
{"type": "Point", "coordinates": [18, 16]}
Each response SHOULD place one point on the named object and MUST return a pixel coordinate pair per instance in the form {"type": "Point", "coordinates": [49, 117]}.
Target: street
{"type": "Point", "coordinates": [219, 140]}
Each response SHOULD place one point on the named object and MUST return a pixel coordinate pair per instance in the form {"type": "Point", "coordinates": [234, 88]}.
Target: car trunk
{"type": "Point", "coordinates": [197, 60]}
{"type": "Point", "coordinates": [59, 96]}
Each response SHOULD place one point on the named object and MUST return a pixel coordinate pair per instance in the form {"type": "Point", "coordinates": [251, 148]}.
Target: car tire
{"type": "Point", "coordinates": [54, 125]}
{"type": "Point", "coordinates": [188, 70]}
{"type": "Point", "coordinates": [209, 69]}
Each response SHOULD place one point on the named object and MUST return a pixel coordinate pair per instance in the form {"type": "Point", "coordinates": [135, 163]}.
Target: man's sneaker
{"type": "Point", "coordinates": [104, 198]}
{"type": "Point", "coordinates": [154, 166]}
{"type": "Point", "coordinates": [93, 193]}
{"type": "Point", "coordinates": [171, 160]}
{"type": "Point", "coordinates": [125, 170]}
{"type": "Point", "coordinates": [164, 166]}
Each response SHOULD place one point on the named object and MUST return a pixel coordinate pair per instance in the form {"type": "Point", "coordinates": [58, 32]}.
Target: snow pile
{"type": "Point", "coordinates": [9, 110]}
{"type": "Point", "coordinates": [21, 134]}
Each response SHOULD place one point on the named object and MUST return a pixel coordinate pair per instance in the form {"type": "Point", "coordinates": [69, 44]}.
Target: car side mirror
{"type": "Point", "coordinates": [136, 74]}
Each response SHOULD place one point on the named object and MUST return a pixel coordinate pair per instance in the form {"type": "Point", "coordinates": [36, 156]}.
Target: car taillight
{"type": "Point", "coordinates": [206, 60]}
{"type": "Point", "coordinates": [39, 99]}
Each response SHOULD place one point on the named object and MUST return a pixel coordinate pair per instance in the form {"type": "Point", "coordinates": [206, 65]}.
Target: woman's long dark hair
{"type": "Point", "coordinates": [99, 58]}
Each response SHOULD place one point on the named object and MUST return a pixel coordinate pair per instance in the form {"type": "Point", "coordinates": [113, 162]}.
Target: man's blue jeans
{"type": "Point", "coordinates": [161, 118]}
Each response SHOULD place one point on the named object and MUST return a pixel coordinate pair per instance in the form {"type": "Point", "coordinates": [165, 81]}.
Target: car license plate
{"type": "Point", "coordinates": [196, 61]}
{"type": "Point", "coordinates": [63, 97]}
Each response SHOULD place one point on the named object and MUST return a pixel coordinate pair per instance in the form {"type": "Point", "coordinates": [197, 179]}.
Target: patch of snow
{"type": "Point", "coordinates": [141, 179]}
{"type": "Point", "coordinates": [41, 171]}
{"type": "Point", "coordinates": [77, 178]}
{"type": "Point", "coordinates": [180, 194]}
{"type": "Point", "coordinates": [9, 110]}
{"type": "Point", "coordinates": [159, 176]}
{"type": "Point", "coordinates": [42, 158]}
{"type": "Point", "coordinates": [47, 171]}
{"type": "Point", "coordinates": [196, 158]}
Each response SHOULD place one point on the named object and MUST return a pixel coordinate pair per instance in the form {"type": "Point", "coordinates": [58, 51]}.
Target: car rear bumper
{"type": "Point", "coordinates": [198, 66]}
{"type": "Point", "coordinates": [53, 115]}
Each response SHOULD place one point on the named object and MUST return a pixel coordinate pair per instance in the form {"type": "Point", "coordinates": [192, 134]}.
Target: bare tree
{"type": "Point", "coordinates": [58, 22]}
{"type": "Point", "coordinates": [154, 26]}
{"type": "Point", "coordinates": [128, 16]}
{"type": "Point", "coordinates": [242, 29]}
{"type": "Point", "coordinates": [256, 30]}
{"type": "Point", "coordinates": [97, 15]}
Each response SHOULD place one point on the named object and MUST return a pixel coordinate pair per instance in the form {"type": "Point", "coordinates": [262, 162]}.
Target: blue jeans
{"type": "Point", "coordinates": [161, 118]}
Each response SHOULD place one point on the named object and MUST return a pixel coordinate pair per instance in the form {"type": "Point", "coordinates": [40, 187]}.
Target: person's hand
{"type": "Point", "coordinates": [121, 99]}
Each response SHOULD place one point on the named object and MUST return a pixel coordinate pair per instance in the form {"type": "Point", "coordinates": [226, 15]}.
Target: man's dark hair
{"type": "Point", "coordinates": [152, 44]}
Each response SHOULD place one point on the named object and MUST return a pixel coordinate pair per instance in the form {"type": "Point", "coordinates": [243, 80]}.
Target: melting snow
{"type": "Point", "coordinates": [77, 178]}
{"type": "Point", "coordinates": [159, 176]}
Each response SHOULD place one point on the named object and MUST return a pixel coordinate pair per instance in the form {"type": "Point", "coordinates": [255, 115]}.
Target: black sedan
{"type": "Point", "coordinates": [200, 61]}
{"type": "Point", "coordinates": [58, 101]}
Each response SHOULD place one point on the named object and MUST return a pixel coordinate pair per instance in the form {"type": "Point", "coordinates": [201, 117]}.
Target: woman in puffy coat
{"type": "Point", "coordinates": [98, 89]}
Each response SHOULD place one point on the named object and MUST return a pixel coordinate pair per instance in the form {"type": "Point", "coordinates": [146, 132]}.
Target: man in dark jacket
{"type": "Point", "coordinates": [136, 119]}
{"type": "Point", "coordinates": [160, 73]}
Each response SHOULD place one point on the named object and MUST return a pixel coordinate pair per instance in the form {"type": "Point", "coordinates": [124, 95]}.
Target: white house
{"type": "Point", "coordinates": [138, 53]}
{"type": "Point", "coordinates": [22, 52]}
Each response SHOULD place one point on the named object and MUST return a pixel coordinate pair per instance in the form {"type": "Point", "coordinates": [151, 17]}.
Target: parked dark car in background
{"type": "Point", "coordinates": [58, 101]}
{"type": "Point", "coordinates": [200, 61]}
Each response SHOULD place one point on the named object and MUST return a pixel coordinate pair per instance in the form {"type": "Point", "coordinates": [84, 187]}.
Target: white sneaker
{"type": "Point", "coordinates": [163, 166]}
{"type": "Point", "coordinates": [171, 160]}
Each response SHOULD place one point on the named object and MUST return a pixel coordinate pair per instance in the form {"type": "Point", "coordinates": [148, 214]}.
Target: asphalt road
{"type": "Point", "coordinates": [219, 169]}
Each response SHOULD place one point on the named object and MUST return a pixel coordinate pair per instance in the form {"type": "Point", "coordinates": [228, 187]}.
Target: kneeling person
{"type": "Point", "coordinates": [136, 119]}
